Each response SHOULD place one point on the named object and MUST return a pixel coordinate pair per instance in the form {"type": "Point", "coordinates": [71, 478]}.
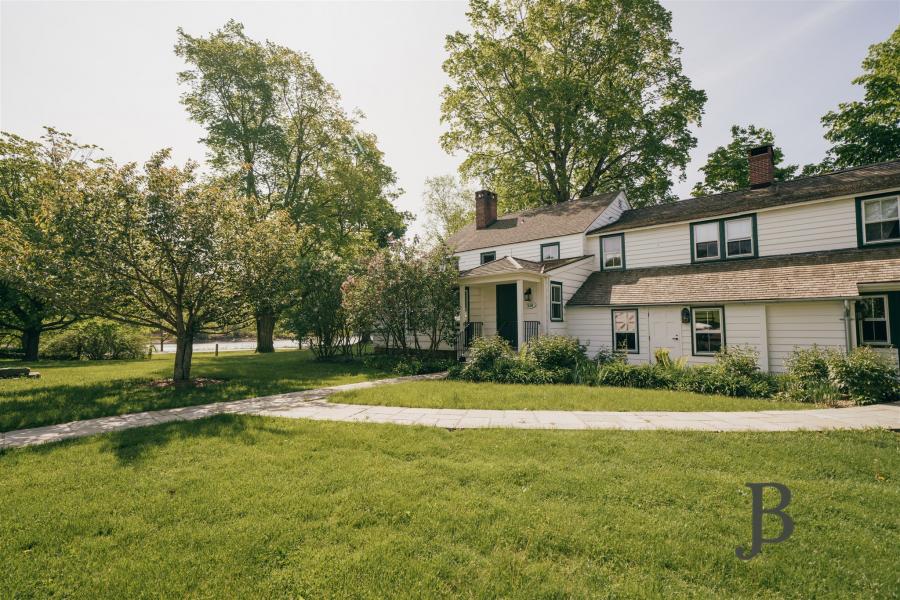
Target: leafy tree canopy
{"type": "Point", "coordinates": [558, 100]}
{"type": "Point", "coordinates": [448, 206]}
{"type": "Point", "coordinates": [868, 131]}
{"type": "Point", "coordinates": [727, 167]}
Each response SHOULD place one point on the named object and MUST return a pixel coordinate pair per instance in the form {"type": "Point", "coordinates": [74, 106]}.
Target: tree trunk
{"type": "Point", "coordinates": [265, 332]}
{"type": "Point", "coordinates": [184, 349]}
{"type": "Point", "coordinates": [30, 339]}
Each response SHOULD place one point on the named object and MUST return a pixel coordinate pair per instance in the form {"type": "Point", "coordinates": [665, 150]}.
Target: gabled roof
{"type": "Point", "coordinates": [832, 274]}
{"type": "Point", "coordinates": [509, 264]}
{"type": "Point", "coordinates": [564, 218]}
{"type": "Point", "coordinates": [859, 180]}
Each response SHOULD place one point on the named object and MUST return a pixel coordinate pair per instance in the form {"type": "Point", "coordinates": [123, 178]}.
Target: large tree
{"type": "Point", "coordinates": [554, 100]}
{"type": "Point", "coordinates": [38, 290]}
{"type": "Point", "coordinates": [159, 249]}
{"type": "Point", "coordinates": [868, 131]}
{"type": "Point", "coordinates": [727, 168]}
{"type": "Point", "coordinates": [449, 205]}
{"type": "Point", "coordinates": [275, 125]}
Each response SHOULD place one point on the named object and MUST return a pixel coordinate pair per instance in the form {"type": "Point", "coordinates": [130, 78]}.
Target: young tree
{"type": "Point", "coordinates": [38, 292]}
{"type": "Point", "coordinates": [727, 168]}
{"type": "Point", "coordinates": [558, 100]}
{"type": "Point", "coordinates": [159, 250]}
{"type": "Point", "coordinates": [868, 131]}
{"type": "Point", "coordinates": [448, 206]}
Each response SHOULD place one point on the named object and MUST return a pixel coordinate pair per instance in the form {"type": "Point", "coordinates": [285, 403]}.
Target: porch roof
{"type": "Point", "coordinates": [812, 275]}
{"type": "Point", "coordinates": [518, 266]}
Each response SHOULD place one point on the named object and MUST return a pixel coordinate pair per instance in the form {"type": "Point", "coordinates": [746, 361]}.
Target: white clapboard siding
{"type": "Point", "coordinates": [807, 228]}
{"type": "Point", "coordinates": [569, 246]}
{"type": "Point", "coordinates": [571, 276]}
{"type": "Point", "coordinates": [801, 325]}
{"type": "Point", "coordinates": [592, 325]}
{"type": "Point", "coordinates": [669, 245]}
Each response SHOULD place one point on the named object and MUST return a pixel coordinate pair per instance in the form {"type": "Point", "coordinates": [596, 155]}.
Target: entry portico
{"type": "Point", "coordinates": [514, 298]}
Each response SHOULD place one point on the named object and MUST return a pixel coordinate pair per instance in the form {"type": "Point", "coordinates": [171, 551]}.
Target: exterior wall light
{"type": "Point", "coordinates": [528, 295]}
{"type": "Point", "coordinates": [686, 315]}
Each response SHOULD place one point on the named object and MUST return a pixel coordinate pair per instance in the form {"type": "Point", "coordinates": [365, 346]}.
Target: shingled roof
{"type": "Point", "coordinates": [508, 264]}
{"type": "Point", "coordinates": [833, 274]}
{"type": "Point", "coordinates": [565, 218]}
{"type": "Point", "coordinates": [859, 180]}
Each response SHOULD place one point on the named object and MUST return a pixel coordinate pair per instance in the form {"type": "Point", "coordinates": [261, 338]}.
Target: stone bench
{"type": "Point", "coordinates": [9, 372]}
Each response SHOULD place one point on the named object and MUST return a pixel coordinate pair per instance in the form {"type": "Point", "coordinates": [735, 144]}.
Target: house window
{"type": "Point", "coordinates": [872, 321]}
{"type": "Point", "coordinates": [612, 252]}
{"type": "Point", "coordinates": [625, 330]}
{"type": "Point", "coordinates": [556, 304]}
{"type": "Point", "coordinates": [550, 251]}
{"type": "Point", "coordinates": [708, 331]}
{"type": "Point", "coordinates": [487, 257]}
{"type": "Point", "coordinates": [739, 237]}
{"type": "Point", "coordinates": [706, 241]}
{"type": "Point", "coordinates": [881, 220]}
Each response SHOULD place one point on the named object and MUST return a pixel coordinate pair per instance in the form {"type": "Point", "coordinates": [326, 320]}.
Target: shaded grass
{"type": "Point", "coordinates": [460, 394]}
{"type": "Point", "coordinates": [71, 390]}
{"type": "Point", "coordinates": [239, 506]}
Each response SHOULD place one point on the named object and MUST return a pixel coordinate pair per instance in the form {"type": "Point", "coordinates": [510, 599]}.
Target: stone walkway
{"type": "Point", "coordinates": [313, 404]}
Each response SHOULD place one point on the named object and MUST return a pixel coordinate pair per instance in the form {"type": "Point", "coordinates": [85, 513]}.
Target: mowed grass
{"type": "Point", "coordinates": [458, 394]}
{"type": "Point", "coordinates": [241, 506]}
{"type": "Point", "coordinates": [69, 390]}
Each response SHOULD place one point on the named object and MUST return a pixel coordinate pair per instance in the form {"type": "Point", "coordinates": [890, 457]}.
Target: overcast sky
{"type": "Point", "coordinates": [105, 71]}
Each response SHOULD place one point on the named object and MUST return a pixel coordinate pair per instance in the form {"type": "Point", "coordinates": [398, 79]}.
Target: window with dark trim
{"type": "Point", "coordinates": [556, 301]}
{"type": "Point", "coordinates": [625, 330]}
{"type": "Point", "coordinates": [612, 252]}
{"type": "Point", "coordinates": [709, 329]}
{"type": "Point", "coordinates": [706, 241]}
{"type": "Point", "coordinates": [880, 220]}
{"type": "Point", "coordinates": [487, 257]}
{"type": "Point", "coordinates": [550, 251]}
{"type": "Point", "coordinates": [739, 237]}
{"type": "Point", "coordinates": [724, 239]}
{"type": "Point", "coordinates": [873, 328]}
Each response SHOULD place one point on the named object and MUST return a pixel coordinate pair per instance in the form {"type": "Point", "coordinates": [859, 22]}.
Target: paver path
{"type": "Point", "coordinates": [312, 404]}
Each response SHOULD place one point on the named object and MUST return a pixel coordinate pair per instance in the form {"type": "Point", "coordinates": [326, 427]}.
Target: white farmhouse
{"type": "Point", "coordinates": [814, 260]}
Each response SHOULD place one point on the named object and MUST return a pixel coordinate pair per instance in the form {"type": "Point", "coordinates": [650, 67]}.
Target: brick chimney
{"type": "Point", "coordinates": [485, 209]}
{"type": "Point", "coordinates": [762, 166]}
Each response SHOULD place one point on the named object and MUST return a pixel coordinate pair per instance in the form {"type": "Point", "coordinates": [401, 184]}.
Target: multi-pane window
{"type": "Point", "coordinates": [612, 252]}
{"type": "Point", "coordinates": [487, 257]}
{"type": "Point", "coordinates": [550, 251]}
{"type": "Point", "coordinates": [881, 220]}
{"type": "Point", "coordinates": [625, 330]}
{"type": "Point", "coordinates": [708, 336]}
{"type": "Point", "coordinates": [556, 304]}
{"type": "Point", "coordinates": [739, 237]}
{"type": "Point", "coordinates": [706, 241]}
{"type": "Point", "coordinates": [872, 320]}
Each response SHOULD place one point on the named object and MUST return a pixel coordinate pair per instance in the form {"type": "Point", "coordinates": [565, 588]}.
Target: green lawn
{"type": "Point", "coordinates": [458, 394]}
{"type": "Point", "coordinates": [240, 506]}
{"type": "Point", "coordinates": [69, 390]}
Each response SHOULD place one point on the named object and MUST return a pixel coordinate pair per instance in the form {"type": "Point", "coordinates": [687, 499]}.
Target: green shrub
{"type": "Point", "coordinates": [97, 339]}
{"type": "Point", "coordinates": [621, 374]}
{"type": "Point", "coordinates": [559, 355]}
{"type": "Point", "coordinates": [608, 355]}
{"type": "Point", "coordinates": [864, 377]}
{"type": "Point", "coordinates": [492, 360]}
{"type": "Point", "coordinates": [738, 361]}
{"type": "Point", "coordinates": [409, 364]}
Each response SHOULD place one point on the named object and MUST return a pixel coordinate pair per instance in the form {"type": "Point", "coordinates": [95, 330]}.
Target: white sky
{"type": "Point", "coordinates": [106, 72]}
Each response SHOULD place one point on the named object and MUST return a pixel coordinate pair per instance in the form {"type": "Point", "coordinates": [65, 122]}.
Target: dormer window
{"type": "Point", "coordinates": [487, 257]}
{"type": "Point", "coordinates": [612, 252]}
{"type": "Point", "coordinates": [880, 220]}
{"type": "Point", "coordinates": [550, 251]}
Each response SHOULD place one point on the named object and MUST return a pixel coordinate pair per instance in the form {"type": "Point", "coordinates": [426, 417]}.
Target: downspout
{"type": "Point", "coordinates": [846, 319]}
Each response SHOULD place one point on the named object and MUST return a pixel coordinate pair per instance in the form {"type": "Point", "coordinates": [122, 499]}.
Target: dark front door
{"type": "Point", "coordinates": [507, 313]}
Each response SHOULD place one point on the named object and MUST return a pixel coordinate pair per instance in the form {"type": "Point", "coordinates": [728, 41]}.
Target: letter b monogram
{"type": "Point", "coordinates": [787, 523]}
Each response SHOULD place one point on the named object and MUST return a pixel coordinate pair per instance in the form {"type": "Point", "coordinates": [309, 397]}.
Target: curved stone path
{"type": "Point", "coordinates": [313, 404]}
